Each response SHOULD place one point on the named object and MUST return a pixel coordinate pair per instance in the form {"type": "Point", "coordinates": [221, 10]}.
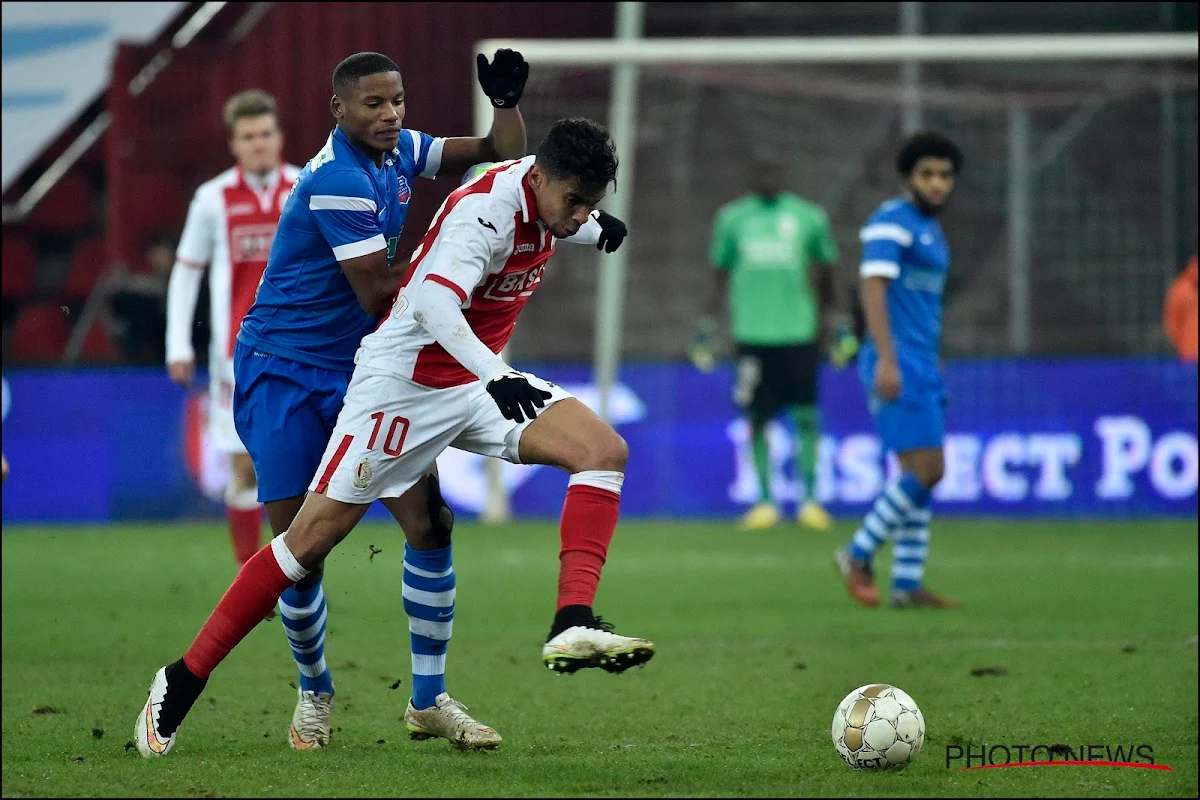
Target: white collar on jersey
{"type": "Point", "coordinates": [262, 183]}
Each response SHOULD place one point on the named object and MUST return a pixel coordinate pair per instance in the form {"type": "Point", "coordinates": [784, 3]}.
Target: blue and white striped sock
{"type": "Point", "coordinates": [912, 546]}
{"type": "Point", "coordinates": [429, 602]}
{"type": "Point", "coordinates": [887, 515]}
{"type": "Point", "coordinates": [303, 615]}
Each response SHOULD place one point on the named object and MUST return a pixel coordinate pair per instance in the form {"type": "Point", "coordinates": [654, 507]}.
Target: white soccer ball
{"type": "Point", "coordinates": [878, 726]}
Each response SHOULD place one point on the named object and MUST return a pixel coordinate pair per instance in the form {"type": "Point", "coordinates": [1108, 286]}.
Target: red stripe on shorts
{"type": "Point", "coordinates": [323, 484]}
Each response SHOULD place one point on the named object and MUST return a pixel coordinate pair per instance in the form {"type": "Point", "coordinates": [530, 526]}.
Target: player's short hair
{"type": "Point", "coordinates": [579, 148]}
{"type": "Point", "coordinates": [250, 103]}
{"type": "Point", "coordinates": [927, 144]}
{"type": "Point", "coordinates": [358, 66]}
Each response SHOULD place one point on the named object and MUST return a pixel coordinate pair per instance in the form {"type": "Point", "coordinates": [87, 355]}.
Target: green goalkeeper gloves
{"type": "Point", "coordinates": [844, 345]}
{"type": "Point", "coordinates": [700, 351]}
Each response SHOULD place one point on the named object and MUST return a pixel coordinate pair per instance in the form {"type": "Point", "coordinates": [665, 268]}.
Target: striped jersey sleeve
{"type": "Point", "coordinates": [884, 238]}
{"type": "Point", "coordinates": [426, 151]}
{"type": "Point", "coordinates": [343, 205]}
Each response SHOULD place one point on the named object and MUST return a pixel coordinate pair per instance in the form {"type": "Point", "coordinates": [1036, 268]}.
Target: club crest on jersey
{"type": "Point", "coordinates": [362, 474]}
{"type": "Point", "coordinates": [405, 191]}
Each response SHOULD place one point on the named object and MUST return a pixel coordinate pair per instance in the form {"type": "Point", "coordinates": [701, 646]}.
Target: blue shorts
{"type": "Point", "coordinates": [284, 412]}
{"type": "Point", "coordinates": [917, 418]}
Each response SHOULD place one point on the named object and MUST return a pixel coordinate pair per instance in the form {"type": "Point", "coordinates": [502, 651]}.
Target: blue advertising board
{"type": "Point", "coordinates": [1102, 437]}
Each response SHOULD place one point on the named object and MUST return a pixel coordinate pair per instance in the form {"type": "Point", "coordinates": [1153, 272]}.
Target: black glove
{"type": "Point", "coordinates": [514, 394]}
{"type": "Point", "coordinates": [504, 79]}
{"type": "Point", "coordinates": [612, 232]}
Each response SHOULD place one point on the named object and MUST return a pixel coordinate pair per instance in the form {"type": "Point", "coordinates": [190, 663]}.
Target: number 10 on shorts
{"type": "Point", "coordinates": [393, 443]}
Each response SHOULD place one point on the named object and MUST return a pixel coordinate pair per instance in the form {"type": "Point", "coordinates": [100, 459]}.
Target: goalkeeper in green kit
{"type": "Point", "coordinates": [775, 257]}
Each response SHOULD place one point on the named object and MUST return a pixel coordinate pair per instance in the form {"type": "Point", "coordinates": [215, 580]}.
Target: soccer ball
{"type": "Point", "coordinates": [878, 727]}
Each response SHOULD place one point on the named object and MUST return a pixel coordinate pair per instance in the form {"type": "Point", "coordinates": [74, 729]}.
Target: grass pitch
{"type": "Point", "coordinates": [1082, 632]}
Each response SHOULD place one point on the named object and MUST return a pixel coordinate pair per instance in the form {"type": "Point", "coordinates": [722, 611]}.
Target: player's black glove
{"type": "Point", "coordinates": [504, 79]}
{"type": "Point", "coordinates": [612, 232]}
{"type": "Point", "coordinates": [514, 394]}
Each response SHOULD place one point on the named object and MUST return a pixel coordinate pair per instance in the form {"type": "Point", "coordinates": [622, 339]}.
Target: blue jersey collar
{"type": "Point", "coordinates": [362, 157]}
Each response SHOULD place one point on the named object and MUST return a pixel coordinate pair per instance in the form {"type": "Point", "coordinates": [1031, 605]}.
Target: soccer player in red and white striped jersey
{"type": "Point", "coordinates": [431, 377]}
{"type": "Point", "coordinates": [229, 229]}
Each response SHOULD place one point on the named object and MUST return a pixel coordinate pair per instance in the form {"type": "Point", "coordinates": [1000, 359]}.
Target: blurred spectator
{"type": "Point", "coordinates": [1180, 313]}
{"type": "Point", "coordinates": [139, 303]}
{"type": "Point", "coordinates": [7, 401]}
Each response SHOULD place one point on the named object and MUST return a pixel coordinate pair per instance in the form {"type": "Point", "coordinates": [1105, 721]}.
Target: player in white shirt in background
{"type": "Point", "coordinates": [7, 403]}
{"type": "Point", "coordinates": [229, 229]}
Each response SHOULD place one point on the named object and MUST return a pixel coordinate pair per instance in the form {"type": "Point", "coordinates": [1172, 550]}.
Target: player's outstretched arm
{"type": "Point", "coordinates": [503, 81]}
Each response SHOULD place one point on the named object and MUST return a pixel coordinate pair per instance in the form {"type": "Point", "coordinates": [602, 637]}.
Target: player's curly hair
{"type": "Point", "coordinates": [927, 144]}
{"type": "Point", "coordinates": [358, 66]}
{"type": "Point", "coordinates": [579, 148]}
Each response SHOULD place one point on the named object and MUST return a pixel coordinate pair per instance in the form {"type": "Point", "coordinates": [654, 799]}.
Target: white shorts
{"type": "Point", "coordinates": [391, 430]}
{"type": "Point", "coordinates": [220, 407]}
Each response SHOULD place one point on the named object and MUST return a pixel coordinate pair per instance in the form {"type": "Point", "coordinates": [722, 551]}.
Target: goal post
{"type": "Point", "coordinates": [833, 105]}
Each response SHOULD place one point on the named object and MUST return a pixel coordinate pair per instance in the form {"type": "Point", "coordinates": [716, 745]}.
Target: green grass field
{"type": "Point", "coordinates": [1092, 624]}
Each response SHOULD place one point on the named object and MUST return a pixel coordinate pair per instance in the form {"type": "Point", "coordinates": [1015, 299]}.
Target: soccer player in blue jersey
{"type": "Point", "coordinates": [331, 275]}
{"type": "Point", "coordinates": [903, 273]}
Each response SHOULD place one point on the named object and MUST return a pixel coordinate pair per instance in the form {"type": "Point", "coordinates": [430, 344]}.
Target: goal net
{"type": "Point", "coordinates": [1074, 212]}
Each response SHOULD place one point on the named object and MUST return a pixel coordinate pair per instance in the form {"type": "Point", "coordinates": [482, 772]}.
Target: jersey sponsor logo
{"type": "Point", "coordinates": [251, 242]}
{"type": "Point", "coordinates": [921, 280]}
{"type": "Point", "coordinates": [405, 190]}
{"type": "Point", "coordinates": [487, 224]}
{"type": "Point", "coordinates": [241, 209]}
{"type": "Point", "coordinates": [511, 286]}
{"type": "Point", "coordinates": [527, 247]}
{"type": "Point", "coordinates": [767, 253]}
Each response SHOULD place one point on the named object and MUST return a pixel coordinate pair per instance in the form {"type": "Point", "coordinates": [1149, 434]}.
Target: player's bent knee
{"type": "Point", "coordinates": [312, 578]}
{"type": "Point", "coordinates": [441, 516]}
{"type": "Point", "coordinates": [931, 474]}
{"type": "Point", "coordinates": [312, 536]}
{"type": "Point", "coordinates": [610, 453]}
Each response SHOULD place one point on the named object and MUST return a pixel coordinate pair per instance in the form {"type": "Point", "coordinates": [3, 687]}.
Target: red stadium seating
{"type": "Point", "coordinates": [66, 208]}
{"type": "Point", "coordinates": [40, 333]}
{"type": "Point", "coordinates": [97, 346]}
{"type": "Point", "coordinates": [88, 263]}
{"type": "Point", "coordinates": [20, 276]}
{"type": "Point", "coordinates": [160, 203]}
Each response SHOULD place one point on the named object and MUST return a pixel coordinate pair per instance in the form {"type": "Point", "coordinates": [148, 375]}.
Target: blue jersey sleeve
{"type": "Point", "coordinates": [343, 205]}
{"type": "Point", "coordinates": [884, 238]}
{"type": "Point", "coordinates": [426, 152]}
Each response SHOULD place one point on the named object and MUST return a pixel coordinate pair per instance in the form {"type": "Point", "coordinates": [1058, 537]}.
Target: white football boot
{"type": "Point", "coordinates": [310, 722]}
{"type": "Point", "coordinates": [449, 719]}
{"type": "Point", "coordinates": [164, 711]}
{"type": "Point", "coordinates": [582, 646]}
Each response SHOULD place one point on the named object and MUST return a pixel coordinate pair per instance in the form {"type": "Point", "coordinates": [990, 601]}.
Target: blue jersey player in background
{"type": "Point", "coordinates": [903, 273]}
{"type": "Point", "coordinates": [332, 274]}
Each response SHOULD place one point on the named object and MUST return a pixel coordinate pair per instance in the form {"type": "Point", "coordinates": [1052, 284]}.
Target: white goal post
{"type": "Point", "coordinates": [627, 53]}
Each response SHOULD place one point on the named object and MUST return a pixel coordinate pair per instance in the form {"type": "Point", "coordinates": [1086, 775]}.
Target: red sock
{"type": "Point", "coordinates": [245, 530]}
{"type": "Point", "coordinates": [589, 518]}
{"type": "Point", "coordinates": [254, 592]}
